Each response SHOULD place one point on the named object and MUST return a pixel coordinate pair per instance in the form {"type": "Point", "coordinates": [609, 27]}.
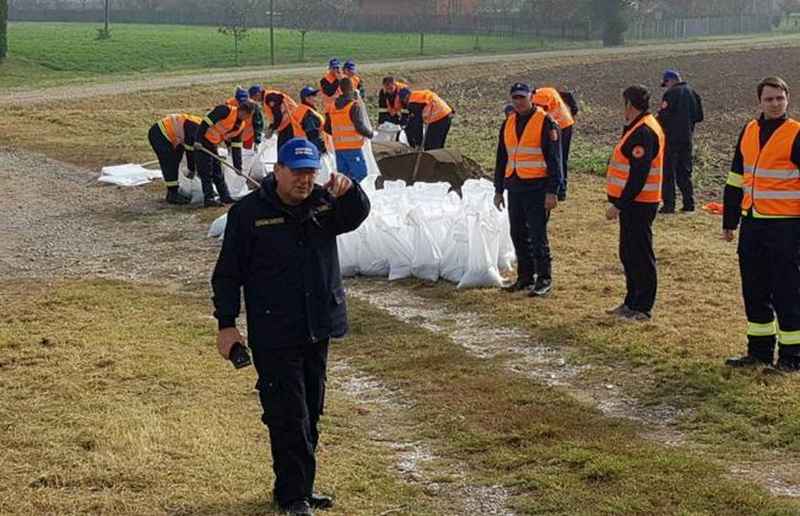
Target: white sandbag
{"type": "Point", "coordinates": [397, 240]}
{"type": "Point", "coordinates": [483, 247]}
{"type": "Point", "coordinates": [456, 252]}
{"type": "Point", "coordinates": [372, 260]}
{"type": "Point", "coordinates": [427, 258]}
{"type": "Point", "coordinates": [348, 253]}
{"type": "Point", "coordinates": [129, 174]}
{"type": "Point", "coordinates": [389, 132]}
{"type": "Point", "coordinates": [217, 229]}
{"type": "Point", "coordinates": [373, 171]}
{"type": "Point", "coordinates": [192, 188]}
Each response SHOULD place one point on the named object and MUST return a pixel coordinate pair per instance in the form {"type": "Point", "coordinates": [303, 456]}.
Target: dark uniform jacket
{"type": "Point", "coordinates": [221, 113]}
{"type": "Point", "coordinates": [551, 148]}
{"type": "Point", "coordinates": [287, 260]}
{"type": "Point", "coordinates": [734, 194]}
{"type": "Point", "coordinates": [647, 140]}
{"type": "Point", "coordinates": [681, 109]}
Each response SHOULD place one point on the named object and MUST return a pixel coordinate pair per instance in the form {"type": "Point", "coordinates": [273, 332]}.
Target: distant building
{"type": "Point", "coordinates": [435, 7]}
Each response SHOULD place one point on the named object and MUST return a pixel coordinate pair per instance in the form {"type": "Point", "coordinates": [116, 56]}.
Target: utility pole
{"type": "Point", "coordinates": [271, 32]}
{"type": "Point", "coordinates": [105, 16]}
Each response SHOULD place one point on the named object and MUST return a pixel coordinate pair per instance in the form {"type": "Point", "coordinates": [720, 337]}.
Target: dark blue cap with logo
{"type": "Point", "coordinates": [670, 75]}
{"type": "Point", "coordinates": [350, 65]}
{"type": "Point", "coordinates": [299, 153]}
{"type": "Point", "coordinates": [334, 63]}
{"type": "Point", "coordinates": [308, 91]}
{"type": "Point", "coordinates": [255, 89]}
{"type": "Point", "coordinates": [241, 95]}
{"type": "Point", "coordinates": [520, 88]}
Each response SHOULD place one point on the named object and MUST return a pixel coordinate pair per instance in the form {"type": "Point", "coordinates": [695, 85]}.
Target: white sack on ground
{"type": "Point", "coordinates": [129, 174]}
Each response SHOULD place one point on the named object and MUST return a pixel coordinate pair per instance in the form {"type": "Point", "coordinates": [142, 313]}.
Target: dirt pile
{"type": "Point", "coordinates": [399, 161]}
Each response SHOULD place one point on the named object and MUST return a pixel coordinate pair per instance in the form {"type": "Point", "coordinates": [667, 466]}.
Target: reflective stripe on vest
{"type": "Point", "coordinates": [345, 136]}
{"type": "Point", "coordinates": [525, 156]}
{"type": "Point", "coordinates": [287, 108]}
{"type": "Point", "coordinates": [619, 166]}
{"type": "Point", "coordinates": [550, 100]}
{"type": "Point", "coordinates": [227, 128]}
{"type": "Point", "coordinates": [172, 127]}
{"type": "Point", "coordinates": [435, 108]}
{"type": "Point", "coordinates": [298, 115]}
{"type": "Point", "coordinates": [771, 180]}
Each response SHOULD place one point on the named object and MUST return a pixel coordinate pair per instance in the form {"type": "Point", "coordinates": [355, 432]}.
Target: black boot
{"type": "Point", "coordinates": [788, 359]}
{"type": "Point", "coordinates": [760, 351]}
{"type": "Point", "coordinates": [320, 502]}
{"type": "Point", "coordinates": [297, 508]}
{"type": "Point", "coordinates": [174, 196]}
{"type": "Point", "coordinates": [222, 189]}
{"type": "Point", "coordinates": [522, 283]}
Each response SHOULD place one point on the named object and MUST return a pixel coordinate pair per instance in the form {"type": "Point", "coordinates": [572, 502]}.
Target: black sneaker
{"type": "Point", "coordinates": [542, 287]}
{"type": "Point", "coordinates": [227, 199]}
{"type": "Point", "coordinates": [176, 197]}
{"type": "Point", "coordinates": [635, 315]}
{"type": "Point", "coordinates": [747, 361]}
{"type": "Point", "coordinates": [212, 202]}
{"type": "Point", "coordinates": [788, 364]}
{"type": "Point", "coordinates": [298, 508]}
{"type": "Point", "coordinates": [687, 209]}
{"type": "Point", "coordinates": [321, 502]}
{"type": "Point", "coordinates": [562, 196]}
{"type": "Point", "coordinates": [619, 310]}
{"type": "Point", "coordinates": [666, 211]}
{"type": "Point", "coordinates": [520, 284]}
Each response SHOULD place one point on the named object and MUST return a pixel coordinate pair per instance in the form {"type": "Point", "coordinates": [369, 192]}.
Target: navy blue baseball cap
{"type": "Point", "coordinates": [299, 153]}
{"type": "Point", "coordinates": [308, 91]}
{"type": "Point", "coordinates": [334, 63]}
{"type": "Point", "coordinates": [255, 89]}
{"type": "Point", "coordinates": [241, 95]}
{"type": "Point", "coordinates": [350, 65]}
{"type": "Point", "coordinates": [520, 88]}
{"type": "Point", "coordinates": [670, 75]}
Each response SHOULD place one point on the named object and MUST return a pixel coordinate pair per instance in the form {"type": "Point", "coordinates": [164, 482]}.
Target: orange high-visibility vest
{"type": "Point", "coordinates": [229, 128]}
{"type": "Point", "coordinates": [356, 79]}
{"type": "Point", "coordinates": [525, 156]}
{"type": "Point", "coordinates": [299, 114]}
{"type": "Point", "coordinates": [172, 127]}
{"type": "Point", "coordinates": [287, 107]}
{"type": "Point", "coordinates": [328, 101]}
{"type": "Point", "coordinates": [619, 166]}
{"type": "Point", "coordinates": [435, 108]}
{"type": "Point", "coordinates": [550, 100]}
{"type": "Point", "coordinates": [345, 136]}
{"type": "Point", "coordinates": [771, 179]}
{"type": "Point", "coordinates": [395, 107]}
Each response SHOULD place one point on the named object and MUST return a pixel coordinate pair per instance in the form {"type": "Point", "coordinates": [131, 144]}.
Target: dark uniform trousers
{"type": "Point", "coordinates": [769, 259]}
{"type": "Point", "coordinates": [169, 157]}
{"type": "Point", "coordinates": [637, 255]}
{"type": "Point", "coordinates": [678, 169]}
{"type": "Point", "coordinates": [528, 220]}
{"type": "Point", "coordinates": [436, 135]}
{"type": "Point", "coordinates": [566, 141]}
{"type": "Point", "coordinates": [284, 136]}
{"type": "Point", "coordinates": [210, 172]}
{"type": "Point", "coordinates": [291, 388]}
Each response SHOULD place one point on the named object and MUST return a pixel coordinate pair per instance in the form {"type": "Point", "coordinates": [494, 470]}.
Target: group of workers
{"type": "Point", "coordinates": [280, 245]}
{"type": "Point", "coordinates": [333, 117]}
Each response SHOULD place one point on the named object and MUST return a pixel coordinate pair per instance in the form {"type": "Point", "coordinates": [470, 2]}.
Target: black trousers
{"type": "Point", "coordinates": [566, 143]}
{"type": "Point", "coordinates": [291, 388]}
{"type": "Point", "coordinates": [436, 135]}
{"type": "Point", "coordinates": [769, 261]}
{"type": "Point", "coordinates": [285, 135]}
{"type": "Point", "coordinates": [169, 157]}
{"type": "Point", "coordinates": [637, 256]}
{"type": "Point", "coordinates": [528, 219]}
{"type": "Point", "coordinates": [678, 169]}
{"type": "Point", "coordinates": [210, 172]}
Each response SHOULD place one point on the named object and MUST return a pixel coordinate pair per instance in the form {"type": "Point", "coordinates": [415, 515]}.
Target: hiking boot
{"type": "Point", "coordinates": [635, 315]}
{"type": "Point", "coordinates": [212, 202]}
{"type": "Point", "coordinates": [747, 361]}
{"type": "Point", "coordinates": [788, 364]}
{"type": "Point", "coordinates": [687, 209]}
{"type": "Point", "coordinates": [520, 284]}
{"type": "Point", "coordinates": [298, 508]}
{"type": "Point", "coordinates": [619, 310]}
{"type": "Point", "coordinates": [176, 197]}
{"type": "Point", "coordinates": [542, 287]}
{"type": "Point", "coordinates": [321, 502]}
{"type": "Point", "coordinates": [666, 211]}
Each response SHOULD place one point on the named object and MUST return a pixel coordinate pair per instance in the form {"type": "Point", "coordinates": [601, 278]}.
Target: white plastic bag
{"type": "Point", "coordinates": [348, 253]}
{"type": "Point", "coordinates": [455, 253]}
{"type": "Point", "coordinates": [483, 245]}
{"type": "Point", "coordinates": [427, 258]}
{"type": "Point", "coordinates": [372, 259]}
{"type": "Point", "coordinates": [191, 188]}
{"type": "Point", "coordinates": [217, 229]}
{"type": "Point", "coordinates": [128, 175]}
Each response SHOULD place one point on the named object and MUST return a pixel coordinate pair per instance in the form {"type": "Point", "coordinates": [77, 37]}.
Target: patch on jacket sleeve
{"type": "Point", "coordinates": [260, 223]}
{"type": "Point", "coordinates": [638, 152]}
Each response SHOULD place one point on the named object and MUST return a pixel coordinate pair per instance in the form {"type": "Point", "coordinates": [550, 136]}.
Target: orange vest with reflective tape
{"type": "Point", "coordinates": [287, 108]}
{"type": "Point", "coordinates": [550, 100]}
{"type": "Point", "coordinates": [299, 114]}
{"type": "Point", "coordinates": [345, 136]}
{"type": "Point", "coordinates": [327, 100]}
{"type": "Point", "coordinates": [619, 167]}
{"type": "Point", "coordinates": [172, 127]}
{"type": "Point", "coordinates": [435, 108]}
{"type": "Point", "coordinates": [229, 128]}
{"type": "Point", "coordinates": [525, 156]}
{"type": "Point", "coordinates": [395, 107]}
{"type": "Point", "coordinates": [771, 179]}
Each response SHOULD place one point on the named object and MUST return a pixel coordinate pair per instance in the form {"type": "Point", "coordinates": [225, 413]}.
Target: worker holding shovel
{"type": "Point", "coordinates": [170, 138]}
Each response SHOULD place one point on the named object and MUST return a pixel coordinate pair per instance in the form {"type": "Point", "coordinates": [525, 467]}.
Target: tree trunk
{"type": "Point", "coordinates": [302, 46]}
{"type": "Point", "coordinates": [272, 32]}
{"type": "Point", "coordinates": [236, 48]}
{"type": "Point", "coordinates": [3, 29]}
{"type": "Point", "coordinates": [421, 43]}
{"type": "Point", "coordinates": [106, 17]}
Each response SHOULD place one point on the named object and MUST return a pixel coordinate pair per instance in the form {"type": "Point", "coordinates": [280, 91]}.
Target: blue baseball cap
{"type": "Point", "coordinates": [670, 75]}
{"type": "Point", "coordinates": [308, 91]}
{"type": "Point", "coordinates": [255, 89]}
{"type": "Point", "coordinates": [299, 153]}
{"type": "Point", "coordinates": [241, 95]}
{"type": "Point", "coordinates": [334, 63]}
{"type": "Point", "coordinates": [520, 88]}
{"type": "Point", "coordinates": [350, 65]}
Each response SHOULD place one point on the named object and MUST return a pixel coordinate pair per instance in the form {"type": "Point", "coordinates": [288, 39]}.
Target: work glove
{"type": "Point", "coordinates": [197, 146]}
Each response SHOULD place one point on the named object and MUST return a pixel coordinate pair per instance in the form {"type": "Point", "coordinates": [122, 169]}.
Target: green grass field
{"type": "Point", "coordinates": [58, 52]}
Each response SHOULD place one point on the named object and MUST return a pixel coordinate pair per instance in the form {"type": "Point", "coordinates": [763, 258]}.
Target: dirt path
{"type": "Point", "coordinates": [156, 82]}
